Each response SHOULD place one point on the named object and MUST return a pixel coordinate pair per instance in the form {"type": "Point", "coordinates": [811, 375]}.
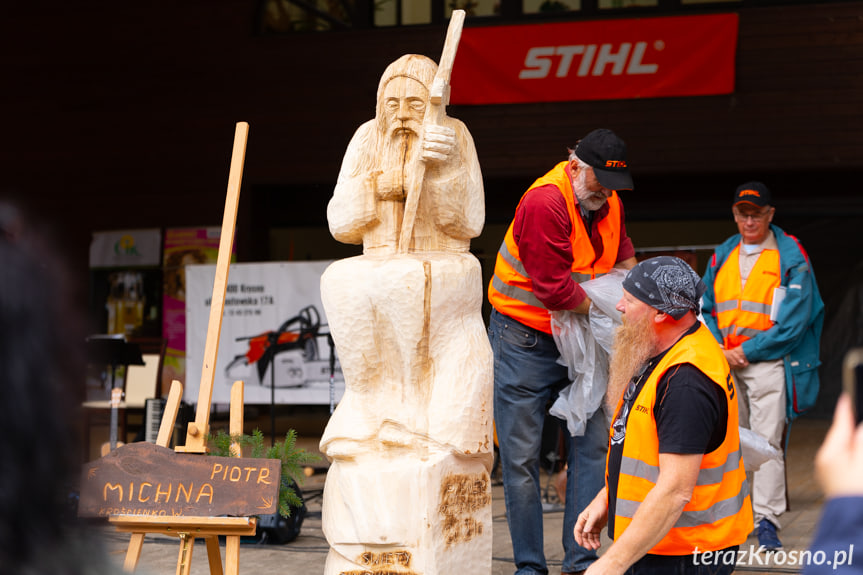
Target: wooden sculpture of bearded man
{"type": "Point", "coordinates": [411, 440]}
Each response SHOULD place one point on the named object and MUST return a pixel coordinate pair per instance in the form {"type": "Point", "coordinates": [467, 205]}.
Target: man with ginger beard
{"type": "Point", "coordinates": [675, 481]}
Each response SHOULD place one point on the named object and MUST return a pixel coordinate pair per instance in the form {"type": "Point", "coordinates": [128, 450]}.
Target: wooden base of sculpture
{"type": "Point", "coordinates": [408, 490]}
{"type": "Point", "coordinates": [437, 521]}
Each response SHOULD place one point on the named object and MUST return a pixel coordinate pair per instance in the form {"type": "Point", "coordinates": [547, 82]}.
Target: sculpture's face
{"type": "Point", "coordinates": [404, 105]}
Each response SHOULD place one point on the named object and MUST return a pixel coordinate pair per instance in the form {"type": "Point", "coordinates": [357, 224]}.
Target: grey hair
{"type": "Point", "coordinates": [581, 163]}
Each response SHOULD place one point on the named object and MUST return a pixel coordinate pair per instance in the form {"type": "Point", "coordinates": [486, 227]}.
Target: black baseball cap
{"type": "Point", "coordinates": [603, 151]}
{"type": "Point", "coordinates": [754, 193]}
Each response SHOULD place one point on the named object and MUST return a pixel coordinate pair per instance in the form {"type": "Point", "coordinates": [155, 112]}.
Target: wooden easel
{"type": "Point", "coordinates": [185, 527]}
{"type": "Point", "coordinates": [189, 528]}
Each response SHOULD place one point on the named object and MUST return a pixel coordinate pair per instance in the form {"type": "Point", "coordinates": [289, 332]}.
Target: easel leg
{"type": "Point", "coordinates": [133, 553]}
{"type": "Point", "coordinates": [214, 555]}
{"type": "Point", "coordinates": [232, 542]}
{"type": "Point", "coordinates": [184, 561]}
{"type": "Point", "coordinates": [232, 555]}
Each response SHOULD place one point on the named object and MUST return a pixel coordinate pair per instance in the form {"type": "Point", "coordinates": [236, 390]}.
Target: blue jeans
{"type": "Point", "coordinates": [526, 377]}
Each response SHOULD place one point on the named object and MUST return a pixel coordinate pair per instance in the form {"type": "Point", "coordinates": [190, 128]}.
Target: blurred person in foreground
{"type": "Point", "coordinates": [762, 305]}
{"type": "Point", "coordinates": [838, 543]}
{"type": "Point", "coordinates": [675, 481]}
{"type": "Point", "coordinates": [39, 533]}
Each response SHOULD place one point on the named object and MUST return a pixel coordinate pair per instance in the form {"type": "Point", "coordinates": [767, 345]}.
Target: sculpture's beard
{"type": "Point", "coordinates": [401, 142]}
{"type": "Point", "coordinates": [634, 344]}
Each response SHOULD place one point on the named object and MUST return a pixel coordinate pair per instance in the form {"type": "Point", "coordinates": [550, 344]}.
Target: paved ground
{"type": "Point", "coordinates": [306, 555]}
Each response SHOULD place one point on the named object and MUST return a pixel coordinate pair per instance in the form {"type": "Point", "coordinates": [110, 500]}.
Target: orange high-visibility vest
{"type": "Point", "coordinates": [743, 313]}
{"type": "Point", "coordinates": [719, 514]}
{"type": "Point", "coordinates": [511, 289]}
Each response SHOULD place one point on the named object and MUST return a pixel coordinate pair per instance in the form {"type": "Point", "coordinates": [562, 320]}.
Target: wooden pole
{"type": "Point", "coordinates": [435, 113]}
{"type": "Point", "coordinates": [197, 431]}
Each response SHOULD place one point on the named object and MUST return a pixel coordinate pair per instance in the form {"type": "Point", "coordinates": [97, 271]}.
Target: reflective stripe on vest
{"type": "Point", "coordinates": [719, 513]}
{"type": "Point", "coordinates": [511, 259]}
{"type": "Point", "coordinates": [524, 296]}
{"type": "Point", "coordinates": [706, 476]}
{"type": "Point", "coordinates": [511, 289]}
{"type": "Point", "coordinates": [736, 334]}
{"type": "Point", "coordinates": [742, 313]}
{"type": "Point", "coordinates": [720, 510]}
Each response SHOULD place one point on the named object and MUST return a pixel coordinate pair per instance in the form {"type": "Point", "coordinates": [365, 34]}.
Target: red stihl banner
{"type": "Point", "coordinates": [597, 60]}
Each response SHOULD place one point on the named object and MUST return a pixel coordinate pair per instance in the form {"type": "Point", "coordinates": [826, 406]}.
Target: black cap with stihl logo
{"type": "Point", "coordinates": [754, 193]}
{"type": "Point", "coordinates": [606, 154]}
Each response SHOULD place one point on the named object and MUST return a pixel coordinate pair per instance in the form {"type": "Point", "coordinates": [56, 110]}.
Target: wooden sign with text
{"type": "Point", "coordinates": [146, 479]}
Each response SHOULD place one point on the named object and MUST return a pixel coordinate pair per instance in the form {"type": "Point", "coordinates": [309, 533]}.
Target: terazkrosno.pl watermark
{"type": "Point", "coordinates": [792, 558]}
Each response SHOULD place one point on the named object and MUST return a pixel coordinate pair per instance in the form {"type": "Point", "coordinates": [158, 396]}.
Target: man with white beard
{"type": "Point", "coordinates": [675, 482]}
{"type": "Point", "coordinates": [569, 227]}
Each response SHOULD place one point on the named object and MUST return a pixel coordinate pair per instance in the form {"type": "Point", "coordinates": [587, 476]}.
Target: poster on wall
{"type": "Point", "coordinates": [274, 334]}
{"type": "Point", "coordinates": [125, 282]}
{"type": "Point", "coordinates": [183, 246]}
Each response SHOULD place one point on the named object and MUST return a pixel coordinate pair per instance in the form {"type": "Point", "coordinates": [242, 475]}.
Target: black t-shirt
{"type": "Point", "coordinates": [691, 415]}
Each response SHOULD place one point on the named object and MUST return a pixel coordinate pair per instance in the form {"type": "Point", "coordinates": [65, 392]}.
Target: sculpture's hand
{"type": "Point", "coordinates": [390, 186]}
{"type": "Point", "coordinates": [438, 143]}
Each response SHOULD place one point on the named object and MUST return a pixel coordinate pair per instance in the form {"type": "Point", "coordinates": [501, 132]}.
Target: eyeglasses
{"type": "Point", "coordinates": [754, 216]}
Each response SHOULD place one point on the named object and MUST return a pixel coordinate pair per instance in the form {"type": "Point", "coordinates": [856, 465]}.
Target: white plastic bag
{"type": "Point", "coordinates": [584, 343]}
{"type": "Point", "coordinates": [756, 450]}
{"type": "Point", "coordinates": [604, 293]}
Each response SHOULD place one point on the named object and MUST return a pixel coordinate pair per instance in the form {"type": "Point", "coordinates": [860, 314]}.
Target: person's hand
{"type": "Point", "coordinates": [584, 307]}
{"type": "Point", "coordinates": [590, 523]}
{"type": "Point", "coordinates": [736, 358]}
{"type": "Point", "coordinates": [438, 142]}
{"type": "Point", "coordinates": [839, 461]}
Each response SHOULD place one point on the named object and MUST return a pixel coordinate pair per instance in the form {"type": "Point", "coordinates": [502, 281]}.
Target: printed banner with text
{"type": "Point", "coordinates": [596, 60]}
{"type": "Point", "coordinates": [273, 334]}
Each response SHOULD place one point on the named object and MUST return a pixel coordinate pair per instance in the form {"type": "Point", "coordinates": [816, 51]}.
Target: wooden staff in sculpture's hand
{"type": "Point", "coordinates": [434, 115]}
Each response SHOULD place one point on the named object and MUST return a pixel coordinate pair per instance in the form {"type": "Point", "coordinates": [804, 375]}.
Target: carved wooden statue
{"type": "Point", "coordinates": [410, 443]}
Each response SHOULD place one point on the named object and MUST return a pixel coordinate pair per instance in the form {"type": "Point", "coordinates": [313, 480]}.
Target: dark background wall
{"type": "Point", "coordinates": [124, 118]}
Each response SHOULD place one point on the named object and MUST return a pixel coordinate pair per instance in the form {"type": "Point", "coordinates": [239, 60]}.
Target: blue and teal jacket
{"type": "Point", "coordinates": [796, 335]}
